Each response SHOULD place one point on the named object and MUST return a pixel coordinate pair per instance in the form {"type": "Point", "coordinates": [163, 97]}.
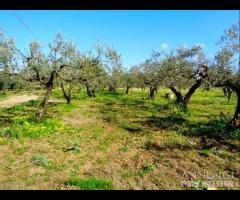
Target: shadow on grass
{"type": "Point", "coordinates": [170, 122]}
{"type": "Point", "coordinates": [7, 115]}
{"type": "Point", "coordinates": [6, 119]}
{"type": "Point", "coordinates": [218, 130]}
{"type": "Point", "coordinates": [213, 133]}
{"type": "Point", "coordinates": [116, 110]}
{"type": "Point", "coordinates": [132, 129]}
{"type": "Point", "coordinates": [157, 147]}
{"type": "Point", "coordinates": [130, 103]}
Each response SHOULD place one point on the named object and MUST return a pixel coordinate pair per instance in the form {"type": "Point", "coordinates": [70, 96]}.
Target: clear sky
{"type": "Point", "coordinates": [133, 33]}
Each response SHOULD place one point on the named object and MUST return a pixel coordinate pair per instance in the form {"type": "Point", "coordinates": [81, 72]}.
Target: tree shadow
{"type": "Point", "coordinates": [132, 129]}
{"type": "Point", "coordinates": [171, 122]}
{"type": "Point", "coordinates": [163, 107]}
{"type": "Point", "coordinates": [157, 147]}
{"type": "Point", "coordinates": [214, 133]}
{"type": "Point", "coordinates": [218, 131]}
{"type": "Point", "coordinates": [217, 128]}
{"type": "Point", "coordinates": [8, 115]}
{"type": "Point", "coordinates": [6, 119]}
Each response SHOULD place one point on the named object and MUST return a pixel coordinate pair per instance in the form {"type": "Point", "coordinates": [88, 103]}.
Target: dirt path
{"type": "Point", "coordinates": [17, 100]}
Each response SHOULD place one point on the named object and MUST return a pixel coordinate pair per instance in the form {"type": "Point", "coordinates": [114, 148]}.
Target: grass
{"type": "Point", "coordinates": [74, 146]}
{"type": "Point", "coordinates": [28, 127]}
{"type": "Point", "coordinates": [126, 139]}
{"type": "Point", "coordinates": [146, 169]}
{"type": "Point", "coordinates": [205, 152]}
{"type": "Point", "coordinates": [3, 95]}
{"type": "Point", "coordinates": [90, 184]}
{"type": "Point", "coordinates": [24, 124]}
{"type": "Point", "coordinates": [41, 160]}
{"type": "Point", "coordinates": [64, 108]}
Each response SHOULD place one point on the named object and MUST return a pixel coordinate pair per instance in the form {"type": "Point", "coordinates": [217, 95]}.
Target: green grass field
{"type": "Point", "coordinates": [118, 141]}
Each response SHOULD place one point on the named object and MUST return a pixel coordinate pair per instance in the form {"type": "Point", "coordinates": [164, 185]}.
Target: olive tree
{"type": "Point", "coordinates": [45, 69]}
{"type": "Point", "coordinates": [112, 62]}
{"type": "Point", "coordinates": [92, 73]}
{"type": "Point", "coordinates": [86, 69]}
{"type": "Point", "coordinates": [8, 63]}
{"type": "Point", "coordinates": [225, 71]}
{"type": "Point", "coordinates": [152, 72]}
{"type": "Point", "coordinates": [67, 77]}
{"type": "Point", "coordinates": [131, 78]}
{"type": "Point", "coordinates": [139, 74]}
{"type": "Point", "coordinates": [182, 69]}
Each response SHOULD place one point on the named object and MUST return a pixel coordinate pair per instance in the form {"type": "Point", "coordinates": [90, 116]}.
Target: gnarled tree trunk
{"type": "Point", "coordinates": [49, 85]}
{"type": "Point", "coordinates": [236, 88]}
{"type": "Point", "coordinates": [111, 88]}
{"type": "Point", "coordinates": [184, 100]}
{"type": "Point", "coordinates": [153, 91]}
{"type": "Point", "coordinates": [127, 89]}
{"type": "Point", "coordinates": [66, 95]}
{"type": "Point", "coordinates": [90, 90]}
{"type": "Point", "coordinates": [236, 118]}
{"type": "Point", "coordinates": [191, 92]}
{"type": "Point", "coordinates": [42, 107]}
{"type": "Point", "coordinates": [227, 92]}
{"type": "Point", "coordinates": [179, 97]}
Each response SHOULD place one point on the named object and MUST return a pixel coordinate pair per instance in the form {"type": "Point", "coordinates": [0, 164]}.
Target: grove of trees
{"type": "Point", "coordinates": [183, 70]}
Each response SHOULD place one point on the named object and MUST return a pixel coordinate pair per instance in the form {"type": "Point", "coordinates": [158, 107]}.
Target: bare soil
{"type": "Point", "coordinates": [17, 100]}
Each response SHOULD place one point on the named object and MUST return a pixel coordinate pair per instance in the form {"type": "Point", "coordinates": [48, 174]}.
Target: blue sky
{"type": "Point", "coordinates": [133, 33]}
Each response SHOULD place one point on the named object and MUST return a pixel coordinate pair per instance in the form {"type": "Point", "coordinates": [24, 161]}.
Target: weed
{"type": "Point", "coordinates": [90, 184]}
{"type": "Point", "coordinates": [28, 127]}
{"type": "Point", "coordinates": [205, 152]}
{"type": "Point", "coordinates": [41, 160]}
{"type": "Point", "coordinates": [3, 141]}
{"type": "Point", "coordinates": [20, 151]}
{"type": "Point", "coordinates": [146, 169]}
{"type": "Point", "coordinates": [74, 146]}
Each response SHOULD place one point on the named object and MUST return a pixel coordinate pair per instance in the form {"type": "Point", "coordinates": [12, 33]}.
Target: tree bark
{"type": "Point", "coordinates": [236, 118]}
{"type": "Point", "coordinates": [191, 92]}
{"type": "Point", "coordinates": [42, 107]}
{"type": "Point", "coordinates": [179, 97]}
{"type": "Point", "coordinates": [90, 90]}
{"type": "Point", "coordinates": [153, 90]}
{"type": "Point", "coordinates": [227, 92]}
{"type": "Point", "coordinates": [184, 100]}
{"type": "Point", "coordinates": [224, 91]}
{"type": "Point", "coordinates": [66, 96]}
{"type": "Point", "coordinates": [49, 85]}
{"type": "Point", "coordinates": [112, 88]}
{"type": "Point", "coordinates": [127, 89]}
{"type": "Point", "coordinates": [236, 88]}
{"type": "Point", "coordinates": [229, 95]}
